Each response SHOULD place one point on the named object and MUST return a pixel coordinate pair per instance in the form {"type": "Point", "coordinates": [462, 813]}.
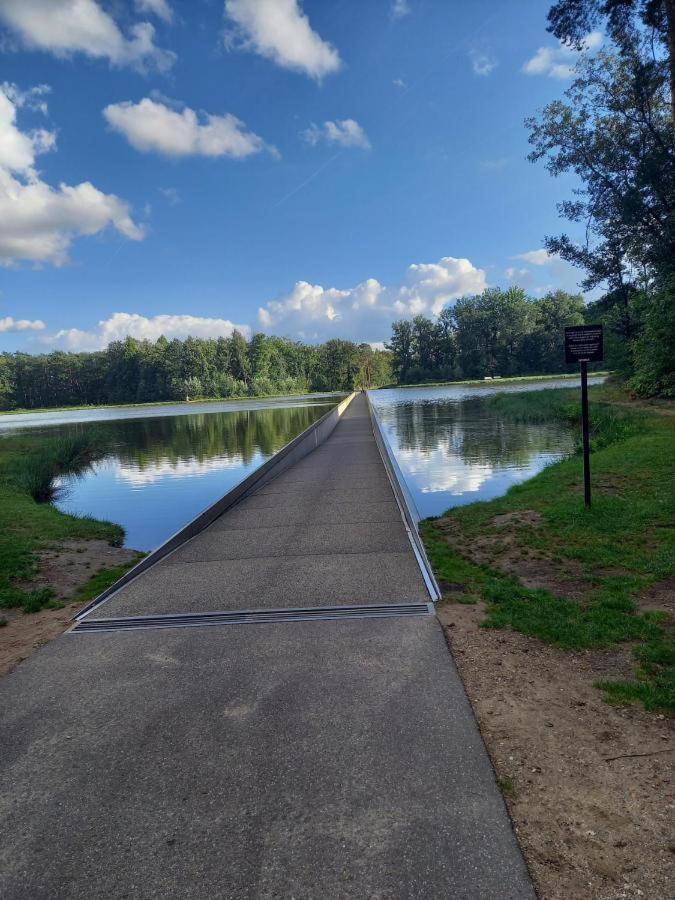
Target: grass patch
{"type": "Point", "coordinates": [608, 423]}
{"type": "Point", "coordinates": [512, 379]}
{"type": "Point", "coordinates": [619, 547]}
{"type": "Point", "coordinates": [102, 580]}
{"type": "Point", "coordinates": [507, 786]}
{"type": "Point", "coordinates": [36, 472]}
{"type": "Point", "coordinates": [26, 526]}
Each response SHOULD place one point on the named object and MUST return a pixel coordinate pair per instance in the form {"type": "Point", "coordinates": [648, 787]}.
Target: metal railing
{"type": "Point", "coordinates": [409, 512]}
{"type": "Point", "coordinates": [291, 453]}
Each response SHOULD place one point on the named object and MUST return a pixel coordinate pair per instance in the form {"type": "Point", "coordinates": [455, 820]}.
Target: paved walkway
{"type": "Point", "coordinates": [304, 759]}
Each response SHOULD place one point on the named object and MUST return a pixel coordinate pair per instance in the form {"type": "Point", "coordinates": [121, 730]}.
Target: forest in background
{"type": "Point", "coordinates": [613, 130]}
{"type": "Point", "coordinates": [496, 333]}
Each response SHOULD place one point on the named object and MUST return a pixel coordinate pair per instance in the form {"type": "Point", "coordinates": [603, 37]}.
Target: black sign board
{"type": "Point", "coordinates": [583, 343]}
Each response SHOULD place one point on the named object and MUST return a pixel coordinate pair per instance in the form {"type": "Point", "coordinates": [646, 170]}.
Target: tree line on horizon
{"type": "Point", "coordinates": [134, 371]}
{"type": "Point", "coordinates": [498, 332]}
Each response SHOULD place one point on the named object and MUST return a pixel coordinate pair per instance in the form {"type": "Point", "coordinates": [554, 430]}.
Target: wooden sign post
{"type": "Point", "coordinates": [583, 344]}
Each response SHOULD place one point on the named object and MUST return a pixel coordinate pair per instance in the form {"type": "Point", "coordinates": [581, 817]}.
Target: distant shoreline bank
{"type": "Point", "coordinates": [155, 403]}
{"type": "Point", "coordinates": [311, 395]}
{"type": "Point", "coordinates": [496, 380]}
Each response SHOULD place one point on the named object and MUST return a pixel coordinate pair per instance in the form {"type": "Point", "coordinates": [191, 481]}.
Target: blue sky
{"type": "Point", "coordinates": [313, 168]}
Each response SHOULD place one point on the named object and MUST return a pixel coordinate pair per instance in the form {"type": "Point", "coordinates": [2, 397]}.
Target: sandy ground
{"type": "Point", "coordinates": [64, 569]}
{"type": "Point", "coordinates": [590, 825]}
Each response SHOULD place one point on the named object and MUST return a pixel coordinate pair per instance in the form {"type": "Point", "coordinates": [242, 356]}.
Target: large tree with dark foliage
{"type": "Point", "coordinates": [625, 20]}
{"type": "Point", "coordinates": [614, 131]}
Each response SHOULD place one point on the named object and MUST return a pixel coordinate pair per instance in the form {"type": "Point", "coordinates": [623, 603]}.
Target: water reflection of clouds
{"type": "Point", "coordinates": [138, 475]}
{"type": "Point", "coordinates": [437, 471]}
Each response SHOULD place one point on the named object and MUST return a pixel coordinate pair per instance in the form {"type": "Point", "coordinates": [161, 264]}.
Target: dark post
{"type": "Point", "coordinates": [584, 431]}
{"type": "Point", "coordinates": [583, 344]}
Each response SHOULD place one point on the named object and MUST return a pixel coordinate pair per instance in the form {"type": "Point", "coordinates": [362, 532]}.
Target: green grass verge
{"type": "Point", "coordinates": [512, 379]}
{"type": "Point", "coordinates": [102, 580]}
{"type": "Point", "coordinates": [619, 548]}
{"type": "Point", "coordinates": [26, 527]}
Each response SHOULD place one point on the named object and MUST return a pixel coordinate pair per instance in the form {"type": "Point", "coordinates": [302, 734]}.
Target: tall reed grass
{"type": "Point", "coordinates": [37, 473]}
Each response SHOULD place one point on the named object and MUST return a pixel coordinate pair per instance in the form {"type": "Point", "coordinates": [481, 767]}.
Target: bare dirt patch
{"type": "Point", "coordinates": [660, 597]}
{"type": "Point", "coordinates": [590, 825]}
{"type": "Point", "coordinates": [64, 569]}
{"type": "Point", "coordinates": [71, 564]}
{"type": "Point", "coordinates": [502, 550]}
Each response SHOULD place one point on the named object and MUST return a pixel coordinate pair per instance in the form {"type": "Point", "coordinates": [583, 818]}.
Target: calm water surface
{"type": "Point", "coordinates": [165, 469]}
{"type": "Point", "coordinates": [453, 451]}
{"type": "Point", "coordinates": [168, 463]}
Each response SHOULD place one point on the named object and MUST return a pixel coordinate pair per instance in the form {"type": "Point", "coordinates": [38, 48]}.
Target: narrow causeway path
{"type": "Point", "coordinates": [335, 758]}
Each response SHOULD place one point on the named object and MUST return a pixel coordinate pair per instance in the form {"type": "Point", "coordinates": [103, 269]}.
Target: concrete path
{"type": "Point", "coordinates": [304, 759]}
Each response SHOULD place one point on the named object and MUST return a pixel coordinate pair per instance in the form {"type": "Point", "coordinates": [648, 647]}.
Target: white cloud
{"type": "Point", "coordinates": [400, 8]}
{"type": "Point", "coordinates": [121, 325]}
{"type": "Point", "coordinates": [279, 30]}
{"type": "Point", "coordinates": [159, 8]}
{"type": "Point", "coordinates": [482, 63]}
{"type": "Point", "coordinates": [514, 274]}
{"type": "Point", "coordinates": [399, 83]}
{"type": "Point", "coordinates": [38, 222]}
{"type": "Point", "coordinates": [539, 257]}
{"type": "Point", "coordinates": [554, 272]}
{"type": "Point", "coordinates": [152, 126]}
{"type": "Point", "coordinates": [9, 324]}
{"type": "Point", "coordinates": [64, 27]}
{"type": "Point", "coordinates": [365, 312]}
{"type": "Point", "coordinates": [559, 61]}
{"type": "Point", "coordinates": [344, 132]}
{"type": "Point", "coordinates": [33, 98]}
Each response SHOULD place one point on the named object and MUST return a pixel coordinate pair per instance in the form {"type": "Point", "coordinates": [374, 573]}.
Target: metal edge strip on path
{"type": "Point", "coordinates": [295, 450]}
{"type": "Point", "coordinates": [409, 512]}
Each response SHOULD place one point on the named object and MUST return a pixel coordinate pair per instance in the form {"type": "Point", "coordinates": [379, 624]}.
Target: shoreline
{"type": "Point", "coordinates": [155, 403]}
{"type": "Point", "coordinates": [486, 382]}
{"type": "Point", "coordinates": [560, 622]}
{"type": "Point", "coordinates": [312, 395]}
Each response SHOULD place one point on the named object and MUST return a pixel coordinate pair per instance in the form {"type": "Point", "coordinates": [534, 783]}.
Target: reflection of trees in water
{"type": "Point", "coordinates": [466, 429]}
{"type": "Point", "coordinates": [236, 435]}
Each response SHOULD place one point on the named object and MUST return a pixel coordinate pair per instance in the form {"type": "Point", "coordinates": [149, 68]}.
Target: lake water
{"type": "Point", "coordinates": [170, 463]}
{"type": "Point", "coordinates": [453, 451]}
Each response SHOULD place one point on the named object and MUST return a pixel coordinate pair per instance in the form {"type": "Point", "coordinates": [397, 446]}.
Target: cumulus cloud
{"type": "Point", "coordinates": [559, 61]}
{"type": "Point", "coordinates": [38, 222]}
{"type": "Point", "coordinates": [121, 325]}
{"type": "Point", "coordinates": [365, 312]}
{"type": "Point", "coordinates": [159, 8]}
{"type": "Point", "coordinates": [9, 324]}
{"type": "Point", "coordinates": [482, 63]}
{"type": "Point", "coordinates": [279, 30]}
{"type": "Point", "coordinates": [64, 27]}
{"type": "Point", "coordinates": [343, 132]}
{"type": "Point", "coordinates": [152, 126]}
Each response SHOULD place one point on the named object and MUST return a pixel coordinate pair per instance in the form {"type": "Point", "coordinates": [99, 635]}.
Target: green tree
{"type": "Point", "coordinates": [572, 20]}
{"type": "Point", "coordinates": [240, 367]}
{"type": "Point", "coordinates": [401, 347]}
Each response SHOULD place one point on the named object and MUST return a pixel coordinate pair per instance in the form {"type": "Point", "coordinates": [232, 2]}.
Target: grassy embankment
{"type": "Point", "coordinates": [487, 382]}
{"type": "Point", "coordinates": [235, 398]}
{"type": "Point", "coordinates": [29, 466]}
{"type": "Point", "coordinates": [594, 575]}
